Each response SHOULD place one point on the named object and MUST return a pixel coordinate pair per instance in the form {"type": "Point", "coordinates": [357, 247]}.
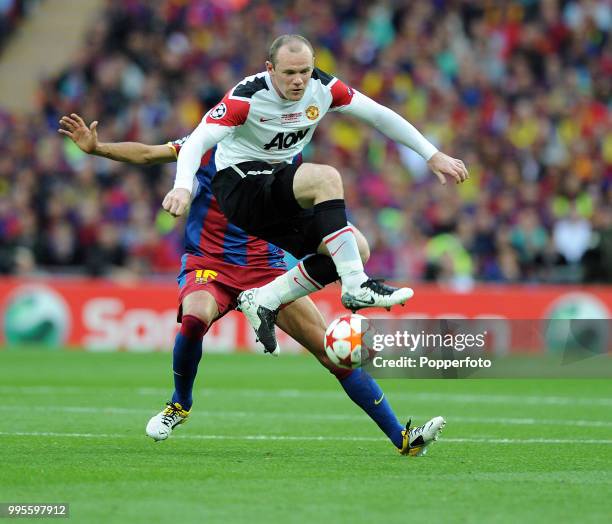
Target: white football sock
{"type": "Point", "coordinates": [342, 246]}
{"type": "Point", "coordinates": [289, 286]}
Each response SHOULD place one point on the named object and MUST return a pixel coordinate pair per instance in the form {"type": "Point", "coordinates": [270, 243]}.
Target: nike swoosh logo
{"type": "Point", "coordinates": [371, 301]}
{"type": "Point", "coordinates": [266, 119]}
{"type": "Point", "coordinates": [299, 284]}
{"type": "Point", "coordinates": [376, 402]}
{"type": "Point", "coordinates": [339, 248]}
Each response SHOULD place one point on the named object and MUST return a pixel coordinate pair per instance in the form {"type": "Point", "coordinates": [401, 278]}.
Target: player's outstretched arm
{"type": "Point", "coordinates": [400, 130]}
{"type": "Point", "coordinates": [86, 138]}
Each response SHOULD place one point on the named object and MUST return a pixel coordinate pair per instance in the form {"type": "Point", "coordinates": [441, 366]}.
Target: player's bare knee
{"type": "Point", "coordinates": [202, 306]}
{"type": "Point", "coordinates": [201, 313]}
{"type": "Point", "coordinates": [314, 183]}
{"type": "Point", "coordinates": [330, 183]}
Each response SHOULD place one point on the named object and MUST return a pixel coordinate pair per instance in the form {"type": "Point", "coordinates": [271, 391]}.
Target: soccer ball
{"type": "Point", "coordinates": [347, 341]}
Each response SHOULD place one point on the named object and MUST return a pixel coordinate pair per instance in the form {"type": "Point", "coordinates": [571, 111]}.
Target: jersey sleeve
{"type": "Point", "coordinates": [342, 95]}
{"type": "Point", "coordinates": [202, 139]}
{"type": "Point", "coordinates": [389, 123]}
{"type": "Point", "coordinates": [231, 111]}
{"type": "Point", "coordinates": [176, 145]}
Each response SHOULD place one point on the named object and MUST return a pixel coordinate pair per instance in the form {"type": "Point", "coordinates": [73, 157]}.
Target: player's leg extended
{"type": "Point", "coordinates": [303, 322]}
{"type": "Point", "coordinates": [199, 311]}
{"type": "Point", "coordinates": [308, 276]}
{"type": "Point", "coordinates": [320, 187]}
{"type": "Point", "coordinates": [260, 306]}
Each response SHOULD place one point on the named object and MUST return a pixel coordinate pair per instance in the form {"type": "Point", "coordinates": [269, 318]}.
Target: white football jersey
{"type": "Point", "coordinates": [268, 128]}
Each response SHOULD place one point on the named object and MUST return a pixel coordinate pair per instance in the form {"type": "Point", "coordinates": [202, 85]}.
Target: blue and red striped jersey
{"type": "Point", "coordinates": [208, 233]}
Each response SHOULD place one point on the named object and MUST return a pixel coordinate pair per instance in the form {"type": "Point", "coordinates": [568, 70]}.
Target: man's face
{"type": "Point", "coordinates": [292, 72]}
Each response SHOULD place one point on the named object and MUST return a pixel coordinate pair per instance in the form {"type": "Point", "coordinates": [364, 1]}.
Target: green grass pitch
{"type": "Point", "coordinates": [277, 441]}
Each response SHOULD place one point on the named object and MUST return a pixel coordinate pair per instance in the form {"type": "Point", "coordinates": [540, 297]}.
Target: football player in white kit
{"type": "Point", "coordinates": [261, 124]}
{"type": "Point", "coordinates": [246, 262]}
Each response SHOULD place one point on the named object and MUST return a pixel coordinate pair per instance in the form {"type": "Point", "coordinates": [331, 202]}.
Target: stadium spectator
{"type": "Point", "coordinates": [11, 14]}
{"type": "Point", "coordinates": [572, 236]}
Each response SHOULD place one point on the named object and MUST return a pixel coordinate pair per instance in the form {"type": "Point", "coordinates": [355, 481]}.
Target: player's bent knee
{"type": "Point", "coordinates": [201, 305]}
{"type": "Point", "coordinates": [330, 182]}
{"type": "Point", "coordinates": [314, 183]}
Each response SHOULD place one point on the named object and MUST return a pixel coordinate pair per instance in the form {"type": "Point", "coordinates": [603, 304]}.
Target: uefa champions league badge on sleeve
{"type": "Point", "coordinates": [218, 111]}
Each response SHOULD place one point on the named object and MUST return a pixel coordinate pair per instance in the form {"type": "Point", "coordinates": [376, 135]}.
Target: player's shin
{"type": "Point", "coordinates": [186, 357]}
{"type": "Point", "coordinates": [338, 237]}
{"type": "Point", "coordinates": [366, 393]}
{"type": "Point", "coordinates": [309, 275]}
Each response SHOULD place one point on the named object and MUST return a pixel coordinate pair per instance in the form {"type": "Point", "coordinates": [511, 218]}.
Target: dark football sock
{"type": "Point", "coordinates": [321, 269]}
{"type": "Point", "coordinates": [186, 357]}
{"type": "Point", "coordinates": [329, 216]}
{"type": "Point", "coordinates": [366, 393]}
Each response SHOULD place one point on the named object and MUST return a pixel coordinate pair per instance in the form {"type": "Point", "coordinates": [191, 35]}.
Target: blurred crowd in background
{"type": "Point", "coordinates": [519, 90]}
{"type": "Point", "coordinates": [11, 13]}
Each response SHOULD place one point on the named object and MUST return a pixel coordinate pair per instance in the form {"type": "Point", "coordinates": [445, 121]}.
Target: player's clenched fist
{"type": "Point", "coordinates": [177, 201]}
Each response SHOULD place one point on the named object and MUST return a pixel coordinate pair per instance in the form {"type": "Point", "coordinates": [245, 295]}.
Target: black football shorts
{"type": "Point", "coordinates": [258, 198]}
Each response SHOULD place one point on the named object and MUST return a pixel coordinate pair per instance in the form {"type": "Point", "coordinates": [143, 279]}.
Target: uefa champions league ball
{"type": "Point", "coordinates": [347, 341]}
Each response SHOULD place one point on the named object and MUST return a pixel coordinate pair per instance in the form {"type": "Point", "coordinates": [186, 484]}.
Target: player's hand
{"type": "Point", "coordinates": [443, 165]}
{"type": "Point", "coordinates": [75, 128]}
{"type": "Point", "coordinates": [177, 201]}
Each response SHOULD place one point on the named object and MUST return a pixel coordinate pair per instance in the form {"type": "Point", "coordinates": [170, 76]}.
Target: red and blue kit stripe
{"type": "Point", "coordinates": [210, 238]}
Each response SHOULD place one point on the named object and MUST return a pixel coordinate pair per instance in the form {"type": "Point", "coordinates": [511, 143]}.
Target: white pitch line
{"type": "Point", "coordinates": [321, 438]}
{"type": "Point", "coordinates": [476, 440]}
{"type": "Point", "coordinates": [320, 416]}
{"type": "Point", "coordinates": [304, 393]}
{"type": "Point", "coordinates": [416, 396]}
{"type": "Point", "coordinates": [511, 399]}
